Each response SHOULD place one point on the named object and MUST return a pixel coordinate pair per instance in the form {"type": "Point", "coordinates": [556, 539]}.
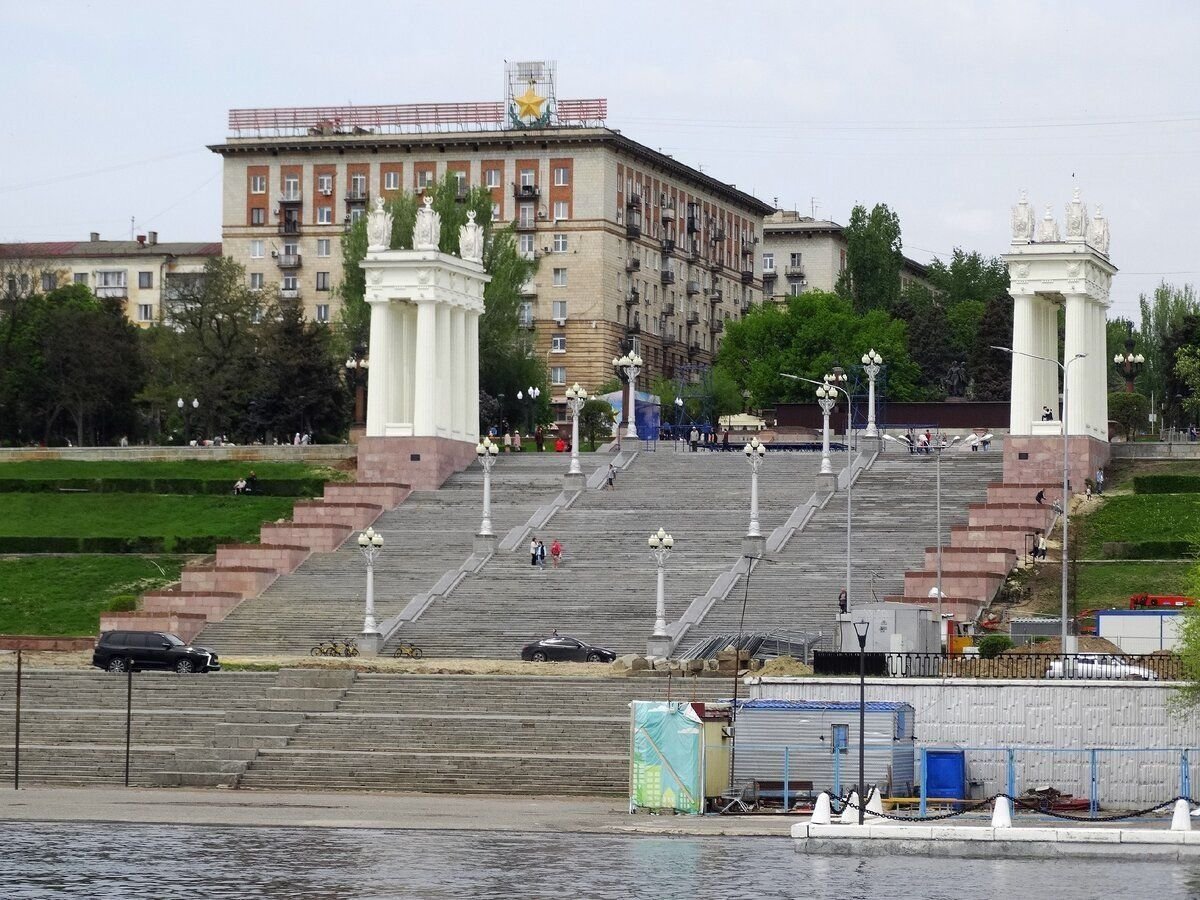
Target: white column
{"type": "Point", "coordinates": [1046, 322]}
{"type": "Point", "coordinates": [379, 374]}
{"type": "Point", "coordinates": [442, 416]}
{"type": "Point", "coordinates": [458, 373]}
{"type": "Point", "coordinates": [425, 370]}
{"type": "Point", "coordinates": [1102, 371]}
{"type": "Point", "coordinates": [1023, 412]}
{"type": "Point", "coordinates": [472, 416]}
{"type": "Point", "coordinates": [1077, 341]}
{"type": "Point", "coordinates": [408, 315]}
{"type": "Point", "coordinates": [401, 365]}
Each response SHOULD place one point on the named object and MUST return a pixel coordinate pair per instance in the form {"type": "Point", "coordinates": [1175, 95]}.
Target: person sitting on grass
{"type": "Point", "coordinates": [239, 486]}
{"type": "Point", "coordinates": [251, 483]}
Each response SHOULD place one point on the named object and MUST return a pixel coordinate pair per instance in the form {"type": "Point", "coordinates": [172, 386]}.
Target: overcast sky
{"type": "Point", "coordinates": [944, 111]}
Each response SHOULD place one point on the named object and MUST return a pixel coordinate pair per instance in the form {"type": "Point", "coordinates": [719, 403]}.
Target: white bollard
{"type": "Point", "coordinates": [875, 803]}
{"type": "Point", "coordinates": [850, 810]}
{"type": "Point", "coordinates": [822, 812]}
{"type": "Point", "coordinates": [1181, 820]}
{"type": "Point", "coordinates": [1002, 813]}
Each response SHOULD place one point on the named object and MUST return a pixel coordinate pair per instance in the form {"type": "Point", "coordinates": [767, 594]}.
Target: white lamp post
{"type": "Point", "coordinates": [370, 542]}
{"type": "Point", "coordinates": [661, 544]}
{"type": "Point", "coordinates": [576, 397]}
{"type": "Point", "coordinates": [827, 399]}
{"type": "Point", "coordinates": [872, 362]}
{"type": "Point", "coordinates": [486, 450]}
{"type": "Point", "coordinates": [631, 366]}
{"type": "Point", "coordinates": [755, 451]}
{"type": "Point", "coordinates": [183, 408]}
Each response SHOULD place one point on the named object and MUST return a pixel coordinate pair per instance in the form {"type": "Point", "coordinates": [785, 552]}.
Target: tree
{"type": "Point", "coordinates": [1130, 411]}
{"type": "Point", "coordinates": [874, 258]}
{"type": "Point", "coordinates": [595, 419]}
{"type": "Point", "coordinates": [1187, 371]}
{"type": "Point", "coordinates": [1161, 315]}
{"type": "Point", "coordinates": [968, 277]}
{"type": "Point", "coordinates": [928, 338]}
{"type": "Point", "coordinates": [1178, 391]}
{"type": "Point", "coordinates": [990, 371]}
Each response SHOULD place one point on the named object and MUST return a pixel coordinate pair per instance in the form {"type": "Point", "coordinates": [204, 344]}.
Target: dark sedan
{"type": "Point", "coordinates": [561, 647]}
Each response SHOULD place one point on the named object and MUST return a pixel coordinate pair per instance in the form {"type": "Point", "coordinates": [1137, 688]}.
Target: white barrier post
{"type": "Point", "coordinates": [822, 811]}
{"type": "Point", "coordinates": [1002, 813]}
{"type": "Point", "coordinates": [1181, 819]}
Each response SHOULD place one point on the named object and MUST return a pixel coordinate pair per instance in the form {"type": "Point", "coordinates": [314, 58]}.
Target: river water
{"type": "Point", "coordinates": [178, 861]}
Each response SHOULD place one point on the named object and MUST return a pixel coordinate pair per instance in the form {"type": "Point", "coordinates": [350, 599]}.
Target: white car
{"type": "Point", "coordinates": [1100, 666]}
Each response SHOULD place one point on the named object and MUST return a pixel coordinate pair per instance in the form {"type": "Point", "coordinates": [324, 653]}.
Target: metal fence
{"type": "Point", "coordinates": [1152, 667]}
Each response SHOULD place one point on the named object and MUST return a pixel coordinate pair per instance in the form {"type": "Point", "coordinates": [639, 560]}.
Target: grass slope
{"type": "Point", "coordinates": [1139, 517]}
{"type": "Point", "coordinates": [65, 595]}
{"type": "Point", "coordinates": [50, 469]}
{"type": "Point", "coordinates": [127, 515]}
{"type": "Point", "coordinates": [1106, 585]}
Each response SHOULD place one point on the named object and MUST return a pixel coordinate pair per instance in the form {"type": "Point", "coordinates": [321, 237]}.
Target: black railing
{"type": "Point", "coordinates": [1075, 667]}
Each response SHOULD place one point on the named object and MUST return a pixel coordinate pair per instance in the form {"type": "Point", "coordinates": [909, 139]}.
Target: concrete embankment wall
{"type": "Point", "coordinates": [309, 453]}
{"type": "Point", "coordinates": [1070, 719]}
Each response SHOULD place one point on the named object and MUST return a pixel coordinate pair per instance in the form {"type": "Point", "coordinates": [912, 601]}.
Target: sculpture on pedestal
{"type": "Point", "coordinates": [428, 232]}
{"type": "Point", "coordinates": [1022, 220]}
{"type": "Point", "coordinates": [379, 228]}
{"type": "Point", "coordinates": [1097, 232]}
{"type": "Point", "coordinates": [470, 240]}
{"type": "Point", "coordinates": [1077, 219]}
{"type": "Point", "coordinates": [1047, 232]}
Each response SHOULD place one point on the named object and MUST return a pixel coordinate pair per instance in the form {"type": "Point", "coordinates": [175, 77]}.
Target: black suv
{"type": "Point", "coordinates": [118, 651]}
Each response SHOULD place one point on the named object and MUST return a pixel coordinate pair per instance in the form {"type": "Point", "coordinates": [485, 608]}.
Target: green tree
{"type": "Point", "coordinates": [968, 277]}
{"type": "Point", "coordinates": [990, 371]}
{"type": "Point", "coordinates": [1162, 315]}
{"type": "Point", "coordinates": [596, 420]}
{"type": "Point", "coordinates": [874, 259]}
{"type": "Point", "coordinates": [929, 338]}
{"type": "Point", "coordinates": [1130, 411]}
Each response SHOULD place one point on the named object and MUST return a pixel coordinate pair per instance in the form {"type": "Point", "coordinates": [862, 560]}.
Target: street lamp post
{"type": "Point", "coordinates": [356, 369]}
{"type": "Point", "coordinates": [1068, 641]}
{"type": "Point", "coordinates": [1129, 363]}
{"type": "Point", "coordinates": [661, 544]}
{"type": "Point", "coordinates": [753, 543]}
{"type": "Point", "coordinates": [486, 450]}
{"type": "Point", "coordinates": [630, 365]}
{"type": "Point", "coordinates": [827, 400]}
{"type": "Point", "coordinates": [183, 408]}
{"type": "Point", "coordinates": [576, 397]}
{"type": "Point", "coordinates": [530, 393]}
{"type": "Point", "coordinates": [860, 631]}
{"type": "Point", "coordinates": [872, 362]}
{"type": "Point", "coordinates": [370, 543]}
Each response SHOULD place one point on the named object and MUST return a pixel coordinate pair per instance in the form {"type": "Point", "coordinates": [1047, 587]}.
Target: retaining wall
{"type": "Point", "coordinates": [311, 453]}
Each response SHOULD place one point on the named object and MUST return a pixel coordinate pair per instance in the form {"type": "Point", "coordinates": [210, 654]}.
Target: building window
{"type": "Point", "coordinates": [460, 181]}
{"type": "Point", "coordinates": [49, 281]}
{"type": "Point", "coordinates": [424, 179]}
{"type": "Point", "coordinates": [358, 184]}
{"type": "Point", "coordinates": [558, 309]}
{"type": "Point", "coordinates": [110, 279]}
{"type": "Point", "coordinates": [492, 178]}
{"type": "Point", "coordinates": [257, 249]}
{"type": "Point", "coordinates": [324, 215]}
{"type": "Point", "coordinates": [322, 246]}
{"type": "Point", "coordinates": [356, 214]}
{"type": "Point", "coordinates": [495, 212]}
{"type": "Point", "coordinates": [322, 312]}
{"type": "Point", "coordinates": [794, 260]}
{"type": "Point", "coordinates": [258, 216]}
{"type": "Point", "coordinates": [527, 179]}
{"type": "Point", "coordinates": [525, 215]}
{"type": "Point", "coordinates": [291, 248]}
{"type": "Point", "coordinates": [795, 289]}
{"type": "Point", "coordinates": [290, 283]}
{"type": "Point", "coordinates": [561, 210]}
{"type": "Point", "coordinates": [81, 278]}
{"type": "Point", "coordinates": [145, 280]}
{"type": "Point", "coordinates": [768, 262]}
{"type": "Point", "coordinates": [145, 312]}
{"type": "Point", "coordinates": [525, 245]}
{"type": "Point", "coordinates": [322, 281]}
{"type": "Point", "coordinates": [325, 184]}
{"type": "Point", "coordinates": [562, 176]}
{"type": "Point", "coordinates": [391, 181]}
{"type": "Point", "coordinates": [560, 243]}
{"type": "Point", "coordinates": [560, 277]}
{"type": "Point", "coordinates": [525, 314]}
{"type": "Point", "coordinates": [291, 187]}
{"type": "Point", "coordinates": [258, 184]}
{"type": "Point", "coordinates": [558, 374]}
{"type": "Point", "coordinates": [558, 343]}
{"type": "Point", "coordinates": [256, 281]}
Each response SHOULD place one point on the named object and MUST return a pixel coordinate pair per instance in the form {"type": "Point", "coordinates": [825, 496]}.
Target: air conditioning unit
{"type": "Point", "coordinates": [275, 211]}
{"type": "Point", "coordinates": [560, 322]}
{"type": "Point", "coordinates": [541, 214]}
{"type": "Point", "coordinates": [328, 192]}
{"type": "Point", "coordinates": [274, 254]}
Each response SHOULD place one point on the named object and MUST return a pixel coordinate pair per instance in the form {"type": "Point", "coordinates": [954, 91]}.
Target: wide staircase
{"type": "Point", "coordinates": [893, 522]}
{"type": "Point", "coordinates": [604, 593]}
{"type": "Point", "coordinates": [430, 533]}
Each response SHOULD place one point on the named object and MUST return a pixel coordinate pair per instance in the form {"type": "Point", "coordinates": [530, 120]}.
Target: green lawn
{"type": "Point", "coordinates": [201, 470]}
{"type": "Point", "coordinates": [64, 595]}
{"type": "Point", "coordinates": [1139, 517]}
{"type": "Point", "coordinates": [1108, 585]}
{"type": "Point", "coordinates": [1121, 472]}
{"type": "Point", "coordinates": [128, 515]}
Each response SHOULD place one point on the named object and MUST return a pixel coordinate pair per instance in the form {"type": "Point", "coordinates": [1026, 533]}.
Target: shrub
{"type": "Point", "coordinates": [1147, 549]}
{"type": "Point", "coordinates": [992, 645]}
{"type": "Point", "coordinates": [123, 603]}
{"type": "Point", "coordinates": [1166, 484]}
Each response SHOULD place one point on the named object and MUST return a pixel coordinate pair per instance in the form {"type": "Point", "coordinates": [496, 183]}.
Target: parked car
{"type": "Point", "coordinates": [561, 647]}
{"type": "Point", "coordinates": [1098, 665]}
{"type": "Point", "coordinates": [118, 651]}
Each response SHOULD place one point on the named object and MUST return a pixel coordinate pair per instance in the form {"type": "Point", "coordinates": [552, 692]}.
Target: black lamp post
{"type": "Point", "coordinates": [1129, 364]}
{"type": "Point", "coordinates": [860, 631]}
{"type": "Point", "coordinates": [356, 371]}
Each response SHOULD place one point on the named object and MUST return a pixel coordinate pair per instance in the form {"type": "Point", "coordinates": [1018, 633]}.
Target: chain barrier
{"type": "Point", "coordinates": [1017, 802]}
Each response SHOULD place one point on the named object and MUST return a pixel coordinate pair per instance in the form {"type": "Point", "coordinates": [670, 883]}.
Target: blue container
{"type": "Point", "coordinates": [945, 773]}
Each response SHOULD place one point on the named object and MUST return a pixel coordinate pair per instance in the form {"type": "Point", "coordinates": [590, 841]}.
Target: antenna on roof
{"type": "Point", "coordinates": [132, 228]}
{"type": "Point", "coordinates": [813, 203]}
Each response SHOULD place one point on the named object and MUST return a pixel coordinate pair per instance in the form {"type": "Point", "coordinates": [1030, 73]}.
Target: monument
{"type": "Point", "coordinates": [1047, 272]}
{"type": "Point", "coordinates": [423, 404]}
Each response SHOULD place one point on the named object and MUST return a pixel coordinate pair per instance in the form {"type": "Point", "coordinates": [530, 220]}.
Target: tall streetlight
{"type": "Point", "coordinates": [183, 409]}
{"type": "Point", "coordinates": [356, 370]}
{"type": "Point", "coordinates": [370, 543]}
{"type": "Point", "coordinates": [486, 450]}
{"type": "Point", "coordinates": [1129, 364]}
{"type": "Point", "coordinates": [661, 544]}
{"type": "Point", "coordinates": [872, 363]}
{"type": "Point", "coordinates": [1067, 641]}
{"type": "Point", "coordinates": [860, 631]}
{"type": "Point", "coordinates": [755, 451]}
{"type": "Point", "coordinates": [576, 397]}
{"type": "Point", "coordinates": [630, 365]}
{"type": "Point", "coordinates": [827, 400]}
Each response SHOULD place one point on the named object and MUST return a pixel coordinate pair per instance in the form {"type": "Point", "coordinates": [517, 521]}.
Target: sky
{"type": "Point", "coordinates": [943, 110]}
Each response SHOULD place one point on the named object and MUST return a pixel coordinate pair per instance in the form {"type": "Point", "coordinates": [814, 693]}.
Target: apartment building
{"type": "Point", "coordinates": [636, 250]}
{"type": "Point", "coordinates": [137, 272]}
{"type": "Point", "coordinates": [801, 254]}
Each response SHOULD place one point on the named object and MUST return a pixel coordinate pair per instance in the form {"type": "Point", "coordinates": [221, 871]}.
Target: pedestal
{"type": "Point", "coordinates": [827, 483]}
{"type": "Point", "coordinates": [658, 647]}
{"type": "Point", "coordinates": [574, 482]}
{"type": "Point", "coordinates": [422, 462]}
{"type": "Point", "coordinates": [485, 543]}
{"type": "Point", "coordinates": [1034, 459]}
{"type": "Point", "coordinates": [754, 545]}
{"type": "Point", "coordinates": [369, 643]}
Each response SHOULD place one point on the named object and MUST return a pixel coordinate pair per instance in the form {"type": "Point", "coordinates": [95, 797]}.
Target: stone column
{"type": "Point", "coordinates": [408, 353]}
{"type": "Point", "coordinates": [1077, 341]}
{"type": "Point", "coordinates": [458, 373]}
{"type": "Point", "coordinates": [379, 374]}
{"type": "Point", "coordinates": [443, 389]}
{"type": "Point", "coordinates": [401, 364]}
{"type": "Point", "coordinates": [472, 414]}
{"type": "Point", "coordinates": [1022, 412]}
{"type": "Point", "coordinates": [425, 370]}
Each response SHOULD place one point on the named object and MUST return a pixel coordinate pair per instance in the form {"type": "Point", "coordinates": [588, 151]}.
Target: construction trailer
{"type": "Point", "coordinates": [1139, 631]}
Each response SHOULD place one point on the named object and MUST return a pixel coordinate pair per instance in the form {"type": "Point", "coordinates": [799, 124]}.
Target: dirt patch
{"type": "Point", "coordinates": [1086, 644]}
{"type": "Point", "coordinates": [785, 667]}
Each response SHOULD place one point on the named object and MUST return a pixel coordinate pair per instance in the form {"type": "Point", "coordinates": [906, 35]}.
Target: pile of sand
{"type": "Point", "coordinates": [785, 667]}
{"type": "Point", "coordinates": [1086, 644]}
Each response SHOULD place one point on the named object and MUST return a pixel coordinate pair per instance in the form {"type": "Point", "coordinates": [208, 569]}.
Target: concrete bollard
{"type": "Point", "coordinates": [850, 810]}
{"type": "Point", "coordinates": [822, 812]}
{"type": "Point", "coordinates": [1181, 819]}
{"type": "Point", "coordinates": [875, 802]}
{"type": "Point", "coordinates": [1002, 813]}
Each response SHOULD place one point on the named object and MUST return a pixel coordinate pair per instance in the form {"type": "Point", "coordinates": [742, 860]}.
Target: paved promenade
{"type": "Point", "coordinates": [375, 810]}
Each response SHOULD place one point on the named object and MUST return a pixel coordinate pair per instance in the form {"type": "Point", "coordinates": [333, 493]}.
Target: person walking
{"type": "Point", "coordinates": [725, 440]}
{"type": "Point", "coordinates": [1100, 480]}
{"type": "Point", "coordinates": [541, 555]}
{"type": "Point", "coordinates": [539, 438]}
{"type": "Point", "coordinates": [1039, 497]}
{"type": "Point", "coordinates": [694, 438]}
{"type": "Point", "coordinates": [610, 481]}
{"type": "Point", "coordinates": [507, 442]}
{"type": "Point", "coordinates": [1041, 547]}
{"type": "Point", "coordinates": [555, 553]}
{"type": "Point", "coordinates": [842, 601]}
{"type": "Point", "coordinates": [533, 551]}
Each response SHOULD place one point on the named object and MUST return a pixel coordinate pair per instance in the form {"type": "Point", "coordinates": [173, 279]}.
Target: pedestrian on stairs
{"type": "Point", "coordinates": [541, 555]}
{"type": "Point", "coordinates": [533, 551]}
{"type": "Point", "coordinates": [610, 482]}
{"type": "Point", "coordinates": [555, 553]}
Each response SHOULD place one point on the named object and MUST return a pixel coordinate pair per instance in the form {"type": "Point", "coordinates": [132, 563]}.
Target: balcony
{"type": "Point", "coordinates": [669, 340]}
{"type": "Point", "coordinates": [667, 276]}
{"type": "Point", "coordinates": [668, 247]}
{"type": "Point", "coordinates": [633, 265]}
{"type": "Point", "coordinates": [529, 289]}
{"type": "Point", "coordinates": [288, 260]}
{"type": "Point", "coordinates": [693, 225]}
{"type": "Point", "coordinates": [526, 323]}
{"type": "Point", "coordinates": [526, 192]}
{"type": "Point", "coordinates": [357, 196]}
{"type": "Point", "coordinates": [289, 226]}
{"type": "Point", "coordinates": [747, 276]}
{"type": "Point", "coordinates": [290, 198]}
{"type": "Point", "coordinates": [633, 298]}
{"type": "Point", "coordinates": [748, 245]}
{"type": "Point", "coordinates": [716, 295]}
{"type": "Point", "coordinates": [793, 272]}
{"type": "Point", "coordinates": [290, 293]}
{"type": "Point", "coordinates": [112, 291]}
{"type": "Point", "coordinates": [693, 351]}
{"type": "Point", "coordinates": [693, 318]}
{"type": "Point", "coordinates": [716, 326]}
{"type": "Point", "coordinates": [696, 252]}
{"type": "Point", "coordinates": [634, 327]}
{"type": "Point", "coordinates": [769, 275]}
{"type": "Point", "coordinates": [525, 225]}
{"type": "Point", "coordinates": [668, 309]}
{"type": "Point", "coordinates": [633, 230]}
{"type": "Point", "coordinates": [634, 202]}
{"type": "Point", "coordinates": [718, 234]}
{"type": "Point", "coordinates": [668, 213]}
{"type": "Point", "coordinates": [693, 288]}
{"type": "Point", "coordinates": [717, 265]}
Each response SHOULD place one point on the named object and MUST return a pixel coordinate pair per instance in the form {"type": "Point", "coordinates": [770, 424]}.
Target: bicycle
{"type": "Point", "coordinates": [406, 649]}
{"type": "Point", "coordinates": [346, 647]}
{"type": "Point", "coordinates": [324, 648]}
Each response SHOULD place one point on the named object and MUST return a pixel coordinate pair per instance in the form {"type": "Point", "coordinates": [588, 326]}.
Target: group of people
{"type": "Point", "coordinates": [537, 553]}
{"type": "Point", "coordinates": [247, 485]}
{"type": "Point", "coordinates": [708, 439]}
{"type": "Point", "coordinates": [512, 441]}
